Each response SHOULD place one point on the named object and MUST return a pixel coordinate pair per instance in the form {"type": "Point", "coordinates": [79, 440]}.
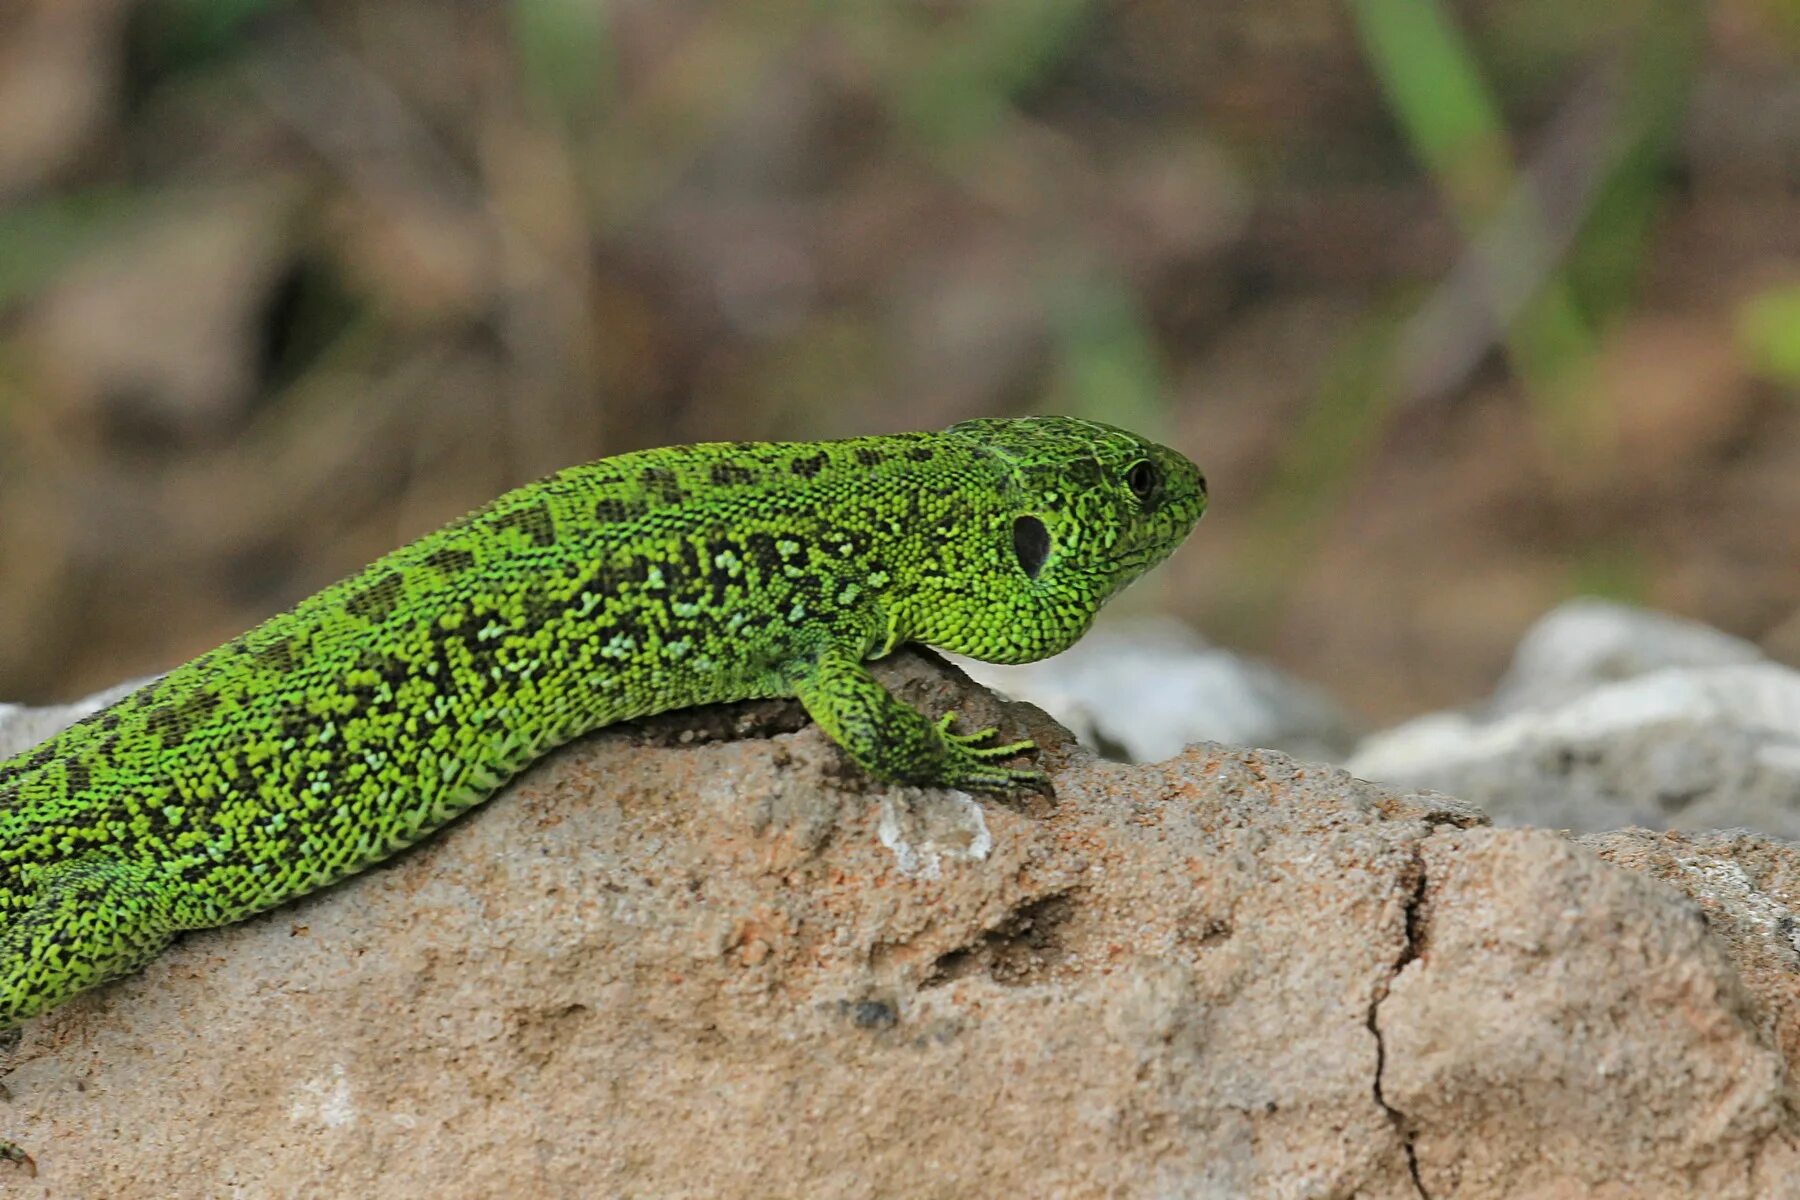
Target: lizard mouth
{"type": "Point", "coordinates": [1142, 559]}
{"type": "Point", "coordinates": [1136, 564]}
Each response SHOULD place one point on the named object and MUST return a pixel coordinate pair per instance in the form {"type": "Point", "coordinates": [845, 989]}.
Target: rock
{"type": "Point", "coordinates": [1681, 748]}
{"type": "Point", "coordinates": [1526, 1038]}
{"type": "Point", "coordinates": [701, 956]}
{"type": "Point", "coordinates": [1142, 690]}
{"type": "Point", "coordinates": [1611, 716]}
{"type": "Point", "coordinates": [1748, 889]}
{"type": "Point", "coordinates": [1586, 643]}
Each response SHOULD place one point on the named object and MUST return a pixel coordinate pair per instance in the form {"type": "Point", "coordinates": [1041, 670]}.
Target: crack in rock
{"type": "Point", "coordinates": [1413, 881]}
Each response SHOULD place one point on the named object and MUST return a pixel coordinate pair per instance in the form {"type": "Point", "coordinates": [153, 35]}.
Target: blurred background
{"type": "Point", "coordinates": [1465, 308]}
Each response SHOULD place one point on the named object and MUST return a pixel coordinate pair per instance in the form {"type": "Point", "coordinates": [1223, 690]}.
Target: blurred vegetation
{"type": "Point", "coordinates": [1463, 306]}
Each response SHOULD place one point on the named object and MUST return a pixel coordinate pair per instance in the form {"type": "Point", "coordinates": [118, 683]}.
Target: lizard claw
{"type": "Point", "coordinates": [971, 742]}
{"type": "Point", "coordinates": [971, 765]}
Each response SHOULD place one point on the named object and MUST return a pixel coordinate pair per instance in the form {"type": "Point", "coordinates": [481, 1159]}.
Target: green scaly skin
{"type": "Point", "coordinates": [353, 725]}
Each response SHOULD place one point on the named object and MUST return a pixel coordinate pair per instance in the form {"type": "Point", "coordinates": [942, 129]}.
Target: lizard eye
{"type": "Point", "coordinates": [1031, 543]}
{"type": "Point", "coordinates": [1142, 478]}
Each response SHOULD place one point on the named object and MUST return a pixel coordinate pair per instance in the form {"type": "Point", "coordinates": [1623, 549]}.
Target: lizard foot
{"type": "Point", "coordinates": [970, 765]}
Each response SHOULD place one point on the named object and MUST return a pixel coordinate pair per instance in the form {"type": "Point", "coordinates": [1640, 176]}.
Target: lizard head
{"type": "Point", "coordinates": [1075, 510]}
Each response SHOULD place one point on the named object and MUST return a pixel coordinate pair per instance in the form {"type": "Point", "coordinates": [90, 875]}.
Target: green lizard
{"type": "Point", "coordinates": [356, 723]}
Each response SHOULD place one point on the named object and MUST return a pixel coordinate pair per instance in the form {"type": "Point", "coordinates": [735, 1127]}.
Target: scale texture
{"type": "Point", "coordinates": [356, 723]}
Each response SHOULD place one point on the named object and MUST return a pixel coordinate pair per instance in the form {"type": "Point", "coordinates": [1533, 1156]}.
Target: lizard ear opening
{"type": "Point", "coordinates": [1031, 543]}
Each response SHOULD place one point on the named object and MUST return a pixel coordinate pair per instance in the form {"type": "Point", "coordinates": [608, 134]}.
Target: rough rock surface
{"type": "Point", "coordinates": [1748, 890]}
{"type": "Point", "coordinates": [699, 956]}
{"type": "Point", "coordinates": [1612, 717]}
{"type": "Point", "coordinates": [1567, 1028]}
{"type": "Point", "coordinates": [1139, 690]}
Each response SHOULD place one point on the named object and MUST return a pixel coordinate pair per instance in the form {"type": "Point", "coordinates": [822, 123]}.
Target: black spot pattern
{"type": "Point", "coordinates": [534, 521]}
{"type": "Point", "coordinates": [612, 509]}
{"type": "Point", "coordinates": [378, 598]}
{"type": "Point", "coordinates": [451, 560]}
{"type": "Point", "coordinates": [731, 475]}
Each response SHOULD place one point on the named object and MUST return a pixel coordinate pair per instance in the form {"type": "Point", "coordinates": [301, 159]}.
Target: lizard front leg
{"type": "Point", "coordinates": [891, 740]}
